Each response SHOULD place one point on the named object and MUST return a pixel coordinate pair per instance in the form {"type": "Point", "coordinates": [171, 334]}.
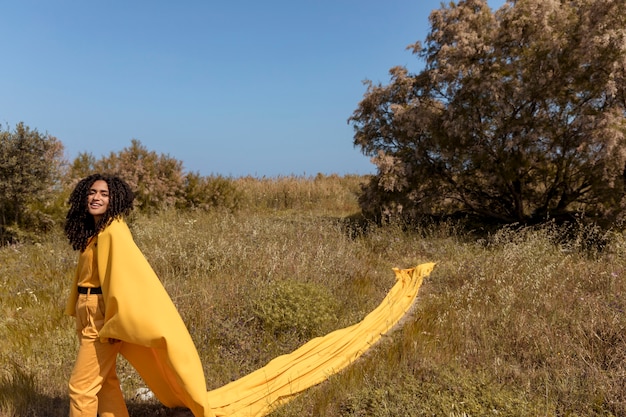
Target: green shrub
{"type": "Point", "coordinates": [303, 308]}
{"type": "Point", "coordinates": [210, 192]}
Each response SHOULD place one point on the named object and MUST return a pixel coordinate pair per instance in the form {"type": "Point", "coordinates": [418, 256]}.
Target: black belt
{"type": "Point", "coordinates": [88, 290]}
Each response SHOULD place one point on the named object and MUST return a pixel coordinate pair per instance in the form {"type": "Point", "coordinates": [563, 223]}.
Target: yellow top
{"type": "Point", "coordinates": [87, 269]}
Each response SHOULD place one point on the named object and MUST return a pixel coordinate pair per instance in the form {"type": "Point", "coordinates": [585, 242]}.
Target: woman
{"type": "Point", "coordinates": [121, 308]}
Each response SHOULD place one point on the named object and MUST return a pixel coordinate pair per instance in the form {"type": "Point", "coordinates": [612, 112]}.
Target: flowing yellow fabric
{"type": "Point", "coordinates": [258, 393]}
{"type": "Point", "coordinates": [156, 342]}
{"type": "Point", "coordinates": [140, 313]}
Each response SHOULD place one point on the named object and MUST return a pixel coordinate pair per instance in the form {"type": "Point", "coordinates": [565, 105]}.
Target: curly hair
{"type": "Point", "coordinates": [79, 224]}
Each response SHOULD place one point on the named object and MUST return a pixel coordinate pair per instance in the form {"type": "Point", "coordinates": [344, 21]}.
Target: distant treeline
{"type": "Point", "coordinates": [36, 179]}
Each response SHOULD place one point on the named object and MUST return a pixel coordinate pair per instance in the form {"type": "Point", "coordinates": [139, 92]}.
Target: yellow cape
{"type": "Point", "coordinates": [158, 345]}
{"type": "Point", "coordinates": [140, 313]}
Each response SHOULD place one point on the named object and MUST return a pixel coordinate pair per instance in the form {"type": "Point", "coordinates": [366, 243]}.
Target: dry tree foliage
{"type": "Point", "coordinates": [518, 115]}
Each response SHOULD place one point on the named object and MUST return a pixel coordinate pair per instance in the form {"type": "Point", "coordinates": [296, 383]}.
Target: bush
{"type": "Point", "coordinates": [209, 192]}
{"type": "Point", "coordinates": [30, 171]}
{"type": "Point", "coordinates": [289, 306]}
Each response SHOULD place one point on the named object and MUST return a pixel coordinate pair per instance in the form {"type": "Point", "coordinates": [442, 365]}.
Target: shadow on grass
{"type": "Point", "coordinates": [139, 409]}
{"type": "Point", "coordinates": [19, 397]}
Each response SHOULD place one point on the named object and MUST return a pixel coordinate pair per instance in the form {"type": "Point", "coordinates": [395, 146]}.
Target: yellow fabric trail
{"type": "Point", "coordinates": [261, 391]}
{"type": "Point", "coordinates": [156, 342]}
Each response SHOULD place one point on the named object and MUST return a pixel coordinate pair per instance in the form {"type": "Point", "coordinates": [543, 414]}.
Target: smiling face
{"type": "Point", "coordinates": [98, 199]}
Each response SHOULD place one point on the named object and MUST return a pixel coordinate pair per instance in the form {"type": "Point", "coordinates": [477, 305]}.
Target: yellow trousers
{"type": "Point", "coordinates": [93, 387]}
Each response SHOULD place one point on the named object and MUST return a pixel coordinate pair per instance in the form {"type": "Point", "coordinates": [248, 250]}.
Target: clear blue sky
{"type": "Point", "coordinates": [240, 87]}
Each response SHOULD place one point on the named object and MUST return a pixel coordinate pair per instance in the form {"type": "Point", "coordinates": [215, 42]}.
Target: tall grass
{"type": "Point", "coordinates": [322, 194]}
{"type": "Point", "coordinates": [518, 323]}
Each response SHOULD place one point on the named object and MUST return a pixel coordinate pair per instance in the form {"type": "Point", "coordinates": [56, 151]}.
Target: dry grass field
{"type": "Point", "coordinates": [517, 322]}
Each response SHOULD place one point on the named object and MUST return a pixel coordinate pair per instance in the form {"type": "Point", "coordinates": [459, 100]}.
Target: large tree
{"type": "Point", "coordinates": [517, 114]}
